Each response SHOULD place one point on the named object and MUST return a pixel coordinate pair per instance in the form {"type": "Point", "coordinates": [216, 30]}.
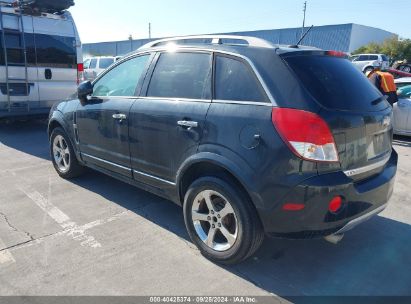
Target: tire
{"type": "Point", "coordinates": [405, 68]}
{"type": "Point", "coordinates": [368, 69]}
{"type": "Point", "coordinates": [237, 232]}
{"type": "Point", "coordinates": [63, 156]}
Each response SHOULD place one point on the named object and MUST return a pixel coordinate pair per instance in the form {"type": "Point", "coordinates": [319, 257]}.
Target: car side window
{"type": "Point", "coordinates": [123, 79]}
{"type": "Point", "coordinates": [87, 64]}
{"type": "Point", "coordinates": [373, 57]}
{"type": "Point", "coordinates": [105, 62]}
{"type": "Point", "coordinates": [182, 75]}
{"type": "Point", "coordinates": [93, 64]}
{"type": "Point", "coordinates": [234, 80]}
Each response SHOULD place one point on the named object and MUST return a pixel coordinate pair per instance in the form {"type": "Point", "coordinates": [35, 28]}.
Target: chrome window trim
{"type": "Point", "coordinates": [173, 99]}
{"type": "Point", "coordinates": [358, 171]}
{"type": "Point", "coordinates": [244, 102]}
{"type": "Point", "coordinates": [106, 161]}
{"type": "Point", "coordinates": [154, 177]}
{"type": "Point", "coordinates": [113, 97]}
{"type": "Point", "coordinates": [183, 48]}
{"type": "Point", "coordinates": [257, 74]}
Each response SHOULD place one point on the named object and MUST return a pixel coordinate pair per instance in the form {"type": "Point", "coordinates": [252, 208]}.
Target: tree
{"type": "Point", "coordinates": [392, 47]}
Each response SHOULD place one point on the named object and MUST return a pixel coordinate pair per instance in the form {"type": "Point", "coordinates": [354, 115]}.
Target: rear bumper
{"type": "Point", "coordinates": [363, 218]}
{"type": "Point", "coordinates": [362, 200]}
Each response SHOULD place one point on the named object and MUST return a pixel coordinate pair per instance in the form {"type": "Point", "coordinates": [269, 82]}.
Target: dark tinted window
{"type": "Point", "coordinates": [15, 54]}
{"type": "Point", "coordinates": [385, 58]}
{"type": "Point", "coordinates": [373, 57]}
{"type": "Point", "coordinates": [335, 82]}
{"type": "Point", "coordinates": [235, 81]}
{"type": "Point", "coordinates": [52, 51]}
{"type": "Point", "coordinates": [105, 62]}
{"type": "Point", "coordinates": [363, 58]}
{"type": "Point", "coordinates": [181, 75]}
{"type": "Point", "coordinates": [56, 51]}
{"type": "Point", "coordinates": [31, 49]}
{"type": "Point", "coordinates": [93, 64]}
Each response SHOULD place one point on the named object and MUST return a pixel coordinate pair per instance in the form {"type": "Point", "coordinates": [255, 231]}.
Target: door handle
{"type": "Point", "coordinates": [187, 124]}
{"type": "Point", "coordinates": [120, 117]}
{"type": "Point", "coordinates": [48, 74]}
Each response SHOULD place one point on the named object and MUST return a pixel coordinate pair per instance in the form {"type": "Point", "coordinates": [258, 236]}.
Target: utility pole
{"type": "Point", "coordinates": [149, 30]}
{"type": "Point", "coordinates": [305, 11]}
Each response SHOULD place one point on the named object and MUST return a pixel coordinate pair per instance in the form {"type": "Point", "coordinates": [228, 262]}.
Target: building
{"type": "Point", "coordinates": [339, 37]}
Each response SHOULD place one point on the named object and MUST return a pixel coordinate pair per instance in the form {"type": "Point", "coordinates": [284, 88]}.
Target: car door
{"type": "Point", "coordinates": [103, 122]}
{"type": "Point", "coordinates": [360, 61]}
{"type": "Point", "coordinates": [168, 123]}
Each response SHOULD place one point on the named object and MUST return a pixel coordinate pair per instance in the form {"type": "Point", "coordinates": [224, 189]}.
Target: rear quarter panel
{"type": "Point", "coordinates": [265, 166]}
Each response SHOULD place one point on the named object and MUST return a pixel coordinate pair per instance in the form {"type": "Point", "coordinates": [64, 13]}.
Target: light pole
{"type": "Point", "coordinates": [304, 10]}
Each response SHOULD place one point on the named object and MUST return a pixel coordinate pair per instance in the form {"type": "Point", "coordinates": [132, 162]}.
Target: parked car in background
{"type": "Point", "coordinates": [402, 111]}
{"type": "Point", "coordinates": [250, 138]}
{"type": "Point", "coordinates": [402, 82]}
{"type": "Point", "coordinates": [96, 65]}
{"type": "Point", "coordinates": [368, 62]}
{"type": "Point", "coordinates": [405, 67]}
{"type": "Point", "coordinates": [40, 58]}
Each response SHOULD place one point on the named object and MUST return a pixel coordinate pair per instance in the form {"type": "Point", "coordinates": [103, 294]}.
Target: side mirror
{"type": "Point", "coordinates": [84, 89]}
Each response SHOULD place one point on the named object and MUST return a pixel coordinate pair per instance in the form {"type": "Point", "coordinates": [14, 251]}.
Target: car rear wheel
{"type": "Point", "coordinates": [406, 68]}
{"type": "Point", "coordinates": [368, 70]}
{"type": "Point", "coordinates": [63, 156]}
{"type": "Point", "coordinates": [221, 221]}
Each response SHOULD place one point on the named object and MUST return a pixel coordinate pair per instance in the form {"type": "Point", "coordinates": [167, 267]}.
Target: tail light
{"type": "Point", "coordinates": [307, 134]}
{"type": "Point", "coordinates": [80, 73]}
{"type": "Point", "coordinates": [336, 54]}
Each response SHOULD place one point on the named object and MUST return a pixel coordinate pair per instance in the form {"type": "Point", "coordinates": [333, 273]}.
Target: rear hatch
{"type": "Point", "coordinates": [358, 115]}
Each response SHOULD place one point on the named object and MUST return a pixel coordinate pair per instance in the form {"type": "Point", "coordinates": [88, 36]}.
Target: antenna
{"type": "Point", "coordinates": [306, 33]}
{"type": "Point", "coordinates": [149, 30]}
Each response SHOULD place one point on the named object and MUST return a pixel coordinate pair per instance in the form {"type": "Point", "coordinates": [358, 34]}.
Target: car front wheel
{"type": "Point", "coordinates": [221, 221]}
{"type": "Point", "coordinates": [63, 155]}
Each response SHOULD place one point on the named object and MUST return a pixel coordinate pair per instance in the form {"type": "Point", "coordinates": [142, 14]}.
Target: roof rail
{"type": "Point", "coordinates": [215, 39]}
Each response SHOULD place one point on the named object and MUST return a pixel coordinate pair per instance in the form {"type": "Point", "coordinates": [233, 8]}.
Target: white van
{"type": "Point", "coordinates": [41, 60]}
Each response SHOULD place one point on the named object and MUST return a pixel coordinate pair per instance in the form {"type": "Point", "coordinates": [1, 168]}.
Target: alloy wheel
{"type": "Point", "coordinates": [214, 220]}
{"type": "Point", "coordinates": [61, 154]}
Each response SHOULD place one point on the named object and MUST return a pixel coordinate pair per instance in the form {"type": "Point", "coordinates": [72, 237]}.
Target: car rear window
{"type": "Point", "coordinates": [335, 83]}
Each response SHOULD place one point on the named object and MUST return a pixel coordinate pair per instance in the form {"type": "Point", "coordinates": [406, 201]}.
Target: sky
{"type": "Point", "coordinates": [104, 20]}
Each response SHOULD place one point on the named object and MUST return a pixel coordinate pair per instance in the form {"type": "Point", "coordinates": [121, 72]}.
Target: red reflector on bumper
{"type": "Point", "coordinates": [293, 207]}
{"type": "Point", "coordinates": [335, 204]}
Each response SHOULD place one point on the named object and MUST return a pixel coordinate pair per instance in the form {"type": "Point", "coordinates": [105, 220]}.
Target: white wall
{"type": "Point", "coordinates": [362, 35]}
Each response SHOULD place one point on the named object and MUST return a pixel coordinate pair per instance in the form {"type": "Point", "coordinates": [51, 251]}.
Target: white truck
{"type": "Point", "coordinates": [41, 58]}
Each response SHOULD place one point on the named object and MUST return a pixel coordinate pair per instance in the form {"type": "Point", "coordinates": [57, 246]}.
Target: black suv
{"type": "Point", "coordinates": [250, 138]}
